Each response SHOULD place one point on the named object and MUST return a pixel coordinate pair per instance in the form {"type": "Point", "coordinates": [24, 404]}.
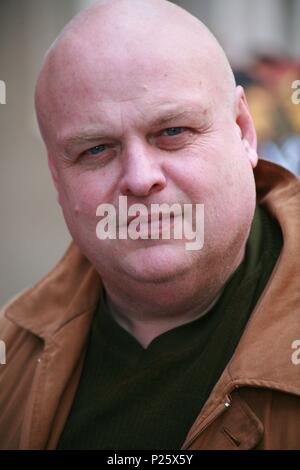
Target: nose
{"type": "Point", "coordinates": [142, 173]}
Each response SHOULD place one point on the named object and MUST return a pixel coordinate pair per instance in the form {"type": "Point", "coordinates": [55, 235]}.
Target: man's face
{"type": "Point", "coordinates": [156, 133]}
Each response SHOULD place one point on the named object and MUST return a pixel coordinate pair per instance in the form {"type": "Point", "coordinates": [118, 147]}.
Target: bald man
{"type": "Point", "coordinates": [139, 342]}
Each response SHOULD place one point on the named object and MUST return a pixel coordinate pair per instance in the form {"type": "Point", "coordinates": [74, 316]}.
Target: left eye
{"type": "Point", "coordinates": [173, 131]}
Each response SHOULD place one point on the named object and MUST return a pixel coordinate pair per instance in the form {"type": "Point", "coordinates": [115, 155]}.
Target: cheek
{"type": "Point", "coordinates": [79, 199]}
{"type": "Point", "coordinates": [199, 171]}
{"type": "Point", "coordinates": [82, 193]}
{"type": "Point", "coordinates": [218, 174]}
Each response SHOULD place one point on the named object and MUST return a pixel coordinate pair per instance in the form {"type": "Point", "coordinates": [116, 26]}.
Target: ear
{"type": "Point", "coordinates": [54, 175]}
{"type": "Point", "coordinates": [245, 123]}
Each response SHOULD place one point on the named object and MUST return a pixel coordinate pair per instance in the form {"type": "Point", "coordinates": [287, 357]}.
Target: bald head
{"type": "Point", "coordinates": [117, 41]}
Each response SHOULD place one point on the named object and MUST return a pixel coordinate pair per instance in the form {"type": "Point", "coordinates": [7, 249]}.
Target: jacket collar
{"type": "Point", "coordinates": [263, 356]}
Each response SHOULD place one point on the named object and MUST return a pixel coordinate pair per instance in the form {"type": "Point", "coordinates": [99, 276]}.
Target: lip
{"type": "Point", "coordinates": [151, 218]}
{"type": "Point", "coordinates": [156, 228]}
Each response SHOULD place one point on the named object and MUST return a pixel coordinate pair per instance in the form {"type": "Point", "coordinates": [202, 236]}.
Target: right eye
{"type": "Point", "coordinates": [99, 155]}
{"type": "Point", "coordinates": [95, 151]}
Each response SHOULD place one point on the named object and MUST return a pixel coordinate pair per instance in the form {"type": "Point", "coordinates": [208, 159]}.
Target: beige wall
{"type": "Point", "coordinates": [32, 234]}
{"type": "Point", "coordinates": [244, 26]}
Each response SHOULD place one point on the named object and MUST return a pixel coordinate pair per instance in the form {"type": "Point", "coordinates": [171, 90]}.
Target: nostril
{"type": "Point", "coordinates": [140, 188]}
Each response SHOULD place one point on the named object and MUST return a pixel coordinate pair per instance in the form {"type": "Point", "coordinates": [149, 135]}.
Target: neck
{"type": "Point", "coordinates": [146, 310]}
{"type": "Point", "coordinates": [146, 329]}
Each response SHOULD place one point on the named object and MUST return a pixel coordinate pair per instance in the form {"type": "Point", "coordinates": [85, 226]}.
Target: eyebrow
{"type": "Point", "coordinates": [173, 115]}
{"type": "Point", "coordinates": [92, 136]}
{"type": "Point", "coordinates": [192, 110]}
{"type": "Point", "coordinates": [79, 139]}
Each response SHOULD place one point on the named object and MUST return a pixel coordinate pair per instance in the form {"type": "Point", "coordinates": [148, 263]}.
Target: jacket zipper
{"type": "Point", "coordinates": [217, 412]}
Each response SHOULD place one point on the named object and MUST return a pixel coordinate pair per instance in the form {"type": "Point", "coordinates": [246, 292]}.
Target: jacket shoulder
{"type": "Point", "coordinates": [19, 350]}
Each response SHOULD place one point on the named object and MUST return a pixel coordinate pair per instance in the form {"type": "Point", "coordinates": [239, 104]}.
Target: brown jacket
{"type": "Point", "coordinates": [254, 405]}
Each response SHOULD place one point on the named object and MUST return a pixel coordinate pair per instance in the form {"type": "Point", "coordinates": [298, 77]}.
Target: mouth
{"type": "Point", "coordinates": [153, 227]}
{"type": "Point", "coordinates": [155, 219]}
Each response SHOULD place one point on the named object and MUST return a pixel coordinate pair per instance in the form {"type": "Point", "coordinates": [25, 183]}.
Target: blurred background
{"type": "Point", "coordinates": [262, 40]}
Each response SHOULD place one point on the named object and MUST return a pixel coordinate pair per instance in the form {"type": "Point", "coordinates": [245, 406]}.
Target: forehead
{"type": "Point", "coordinates": [147, 95]}
{"type": "Point", "coordinates": [93, 85]}
{"type": "Point", "coordinates": [120, 80]}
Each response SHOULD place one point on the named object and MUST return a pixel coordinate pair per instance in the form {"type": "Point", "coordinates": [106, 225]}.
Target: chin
{"type": "Point", "coordinates": [157, 263]}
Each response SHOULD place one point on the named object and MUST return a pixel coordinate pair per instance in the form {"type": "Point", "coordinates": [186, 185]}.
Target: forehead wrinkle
{"type": "Point", "coordinates": [181, 112]}
{"type": "Point", "coordinates": [167, 115]}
